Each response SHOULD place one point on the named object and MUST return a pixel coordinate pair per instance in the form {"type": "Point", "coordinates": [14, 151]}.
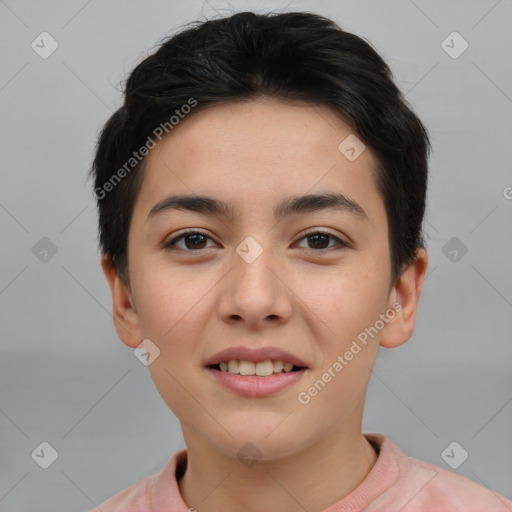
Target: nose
{"type": "Point", "coordinates": [255, 291]}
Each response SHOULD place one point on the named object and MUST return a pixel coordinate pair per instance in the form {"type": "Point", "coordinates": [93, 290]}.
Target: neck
{"type": "Point", "coordinates": [312, 479]}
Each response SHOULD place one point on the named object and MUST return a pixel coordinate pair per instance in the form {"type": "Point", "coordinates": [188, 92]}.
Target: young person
{"type": "Point", "coordinates": [261, 194]}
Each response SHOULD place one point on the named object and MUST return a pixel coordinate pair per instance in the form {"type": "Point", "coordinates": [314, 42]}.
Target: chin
{"type": "Point", "coordinates": [253, 444]}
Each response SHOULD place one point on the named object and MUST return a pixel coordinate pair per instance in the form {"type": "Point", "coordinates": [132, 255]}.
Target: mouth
{"type": "Point", "coordinates": [262, 369]}
{"type": "Point", "coordinates": [255, 379]}
{"type": "Point", "coordinates": [255, 372]}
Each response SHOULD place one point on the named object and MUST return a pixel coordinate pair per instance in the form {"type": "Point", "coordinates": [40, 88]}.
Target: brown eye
{"type": "Point", "coordinates": [319, 241]}
{"type": "Point", "coordinates": [192, 241]}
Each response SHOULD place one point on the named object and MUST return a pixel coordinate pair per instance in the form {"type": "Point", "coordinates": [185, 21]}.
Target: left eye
{"type": "Point", "coordinates": [195, 240]}
{"type": "Point", "coordinates": [320, 238]}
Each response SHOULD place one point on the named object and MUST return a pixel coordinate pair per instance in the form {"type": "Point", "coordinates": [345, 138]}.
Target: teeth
{"type": "Point", "coordinates": [262, 369]}
{"type": "Point", "coordinates": [278, 366]}
{"type": "Point", "coordinates": [246, 368]}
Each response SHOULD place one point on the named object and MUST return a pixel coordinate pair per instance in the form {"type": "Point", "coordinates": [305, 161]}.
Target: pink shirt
{"type": "Point", "coordinates": [395, 483]}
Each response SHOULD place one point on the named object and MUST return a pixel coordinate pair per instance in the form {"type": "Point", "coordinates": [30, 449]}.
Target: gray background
{"type": "Point", "coordinates": [65, 376]}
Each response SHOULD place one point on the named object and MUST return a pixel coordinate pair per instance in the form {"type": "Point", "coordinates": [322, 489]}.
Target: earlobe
{"type": "Point", "coordinates": [406, 293]}
{"type": "Point", "coordinates": [126, 320]}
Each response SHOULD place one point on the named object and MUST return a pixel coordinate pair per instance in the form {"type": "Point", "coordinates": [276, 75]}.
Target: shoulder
{"type": "Point", "coordinates": [422, 486]}
{"type": "Point", "coordinates": [135, 498]}
{"type": "Point", "coordinates": [155, 492]}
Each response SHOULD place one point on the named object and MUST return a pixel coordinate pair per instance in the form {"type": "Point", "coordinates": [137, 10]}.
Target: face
{"type": "Point", "coordinates": [308, 281]}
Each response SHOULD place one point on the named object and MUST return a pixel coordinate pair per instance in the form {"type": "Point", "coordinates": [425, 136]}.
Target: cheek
{"type": "Point", "coordinates": [173, 313]}
{"type": "Point", "coordinates": [352, 300]}
{"type": "Point", "coordinates": [347, 355]}
{"type": "Point", "coordinates": [170, 301]}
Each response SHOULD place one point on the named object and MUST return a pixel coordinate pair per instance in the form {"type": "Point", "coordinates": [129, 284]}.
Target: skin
{"type": "Point", "coordinates": [193, 304]}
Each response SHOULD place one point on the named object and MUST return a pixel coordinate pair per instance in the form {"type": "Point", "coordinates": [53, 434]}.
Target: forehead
{"type": "Point", "coordinates": [258, 151]}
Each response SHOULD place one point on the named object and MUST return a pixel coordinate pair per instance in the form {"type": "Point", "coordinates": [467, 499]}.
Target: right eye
{"type": "Point", "coordinates": [193, 241]}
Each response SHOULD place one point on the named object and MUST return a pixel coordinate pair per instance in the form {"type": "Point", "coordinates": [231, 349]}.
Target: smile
{"type": "Point", "coordinates": [261, 369]}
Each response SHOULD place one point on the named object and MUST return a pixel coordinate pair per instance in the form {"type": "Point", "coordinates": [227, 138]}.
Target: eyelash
{"type": "Point", "coordinates": [341, 243]}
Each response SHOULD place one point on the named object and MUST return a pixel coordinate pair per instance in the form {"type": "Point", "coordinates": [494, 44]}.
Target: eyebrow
{"type": "Point", "coordinates": [289, 206]}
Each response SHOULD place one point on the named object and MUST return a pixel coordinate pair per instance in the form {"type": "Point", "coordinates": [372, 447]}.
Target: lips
{"type": "Point", "coordinates": [255, 355]}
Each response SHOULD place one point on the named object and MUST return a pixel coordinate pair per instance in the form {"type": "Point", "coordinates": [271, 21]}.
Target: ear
{"type": "Point", "coordinates": [126, 319]}
{"type": "Point", "coordinates": [406, 293]}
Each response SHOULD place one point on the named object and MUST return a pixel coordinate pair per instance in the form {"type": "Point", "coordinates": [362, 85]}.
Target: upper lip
{"type": "Point", "coordinates": [255, 355]}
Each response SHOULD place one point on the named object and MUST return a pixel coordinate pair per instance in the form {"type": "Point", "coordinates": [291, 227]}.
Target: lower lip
{"type": "Point", "coordinates": [254, 386]}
